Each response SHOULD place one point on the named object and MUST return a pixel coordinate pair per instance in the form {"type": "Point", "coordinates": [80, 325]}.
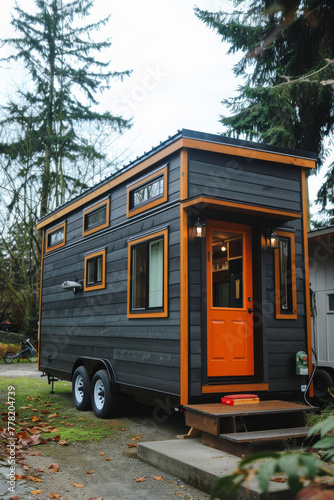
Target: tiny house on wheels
{"type": "Point", "coordinates": [182, 276]}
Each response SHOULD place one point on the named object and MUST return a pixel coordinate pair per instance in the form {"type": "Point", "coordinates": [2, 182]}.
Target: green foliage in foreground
{"type": "Point", "coordinates": [297, 467]}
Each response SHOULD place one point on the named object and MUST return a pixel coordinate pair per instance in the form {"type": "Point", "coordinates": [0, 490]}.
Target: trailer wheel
{"type": "Point", "coordinates": [81, 389]}
{"type": "Point", "coordinates": [102, 395]}
{"type": "Point", "coordinates": [322, 381]}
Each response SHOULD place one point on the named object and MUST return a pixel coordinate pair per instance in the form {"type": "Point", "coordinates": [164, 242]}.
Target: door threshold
{"type": "Point", "coordinates": [211, 389]}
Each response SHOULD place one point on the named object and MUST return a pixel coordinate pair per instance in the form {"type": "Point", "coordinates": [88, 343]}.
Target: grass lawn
{"type": "Point", "coordinates": [52, 414]}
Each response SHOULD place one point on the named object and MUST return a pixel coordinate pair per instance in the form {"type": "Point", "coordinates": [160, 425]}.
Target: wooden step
{"type": "Point", "coordinates": [267, 435]}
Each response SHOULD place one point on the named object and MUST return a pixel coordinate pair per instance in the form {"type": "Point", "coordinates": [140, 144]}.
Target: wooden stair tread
{"type": "Point", "coordinates": [273, 434]}
{"type": "Point", "coordinates": [267, 407]}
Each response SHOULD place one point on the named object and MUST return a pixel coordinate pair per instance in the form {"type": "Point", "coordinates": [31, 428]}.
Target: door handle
{"type": "Point", "coordinates": [250, 310]}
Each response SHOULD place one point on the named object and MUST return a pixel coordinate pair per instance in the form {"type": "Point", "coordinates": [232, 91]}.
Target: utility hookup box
{"type": "Point", "coordinates": [301, 363]}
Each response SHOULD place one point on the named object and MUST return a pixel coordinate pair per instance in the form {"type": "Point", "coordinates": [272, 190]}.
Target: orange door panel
{"type": "Point", "coordinates": [230, 300]}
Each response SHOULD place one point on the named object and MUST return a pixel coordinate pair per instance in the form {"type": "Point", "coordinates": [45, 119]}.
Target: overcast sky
{"type": "Point", "coordinates": [181, 71]}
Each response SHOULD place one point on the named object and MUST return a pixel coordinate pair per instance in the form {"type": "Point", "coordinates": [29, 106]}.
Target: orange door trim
{"type": "Point", "coordinates": [230, 341]}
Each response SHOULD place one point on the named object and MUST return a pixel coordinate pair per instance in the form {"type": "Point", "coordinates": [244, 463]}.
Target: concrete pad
{"type": "Point", "coordinates": [200, 466]}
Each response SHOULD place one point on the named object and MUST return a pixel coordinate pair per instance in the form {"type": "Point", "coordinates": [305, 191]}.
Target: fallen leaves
{"type": "Point", "coordinates": [140, 480]}
{"type": "Point", "coordinates": [18, 477]}
{"type": "Point", "coordinates": [90, 471]}
{"type": "Point", "coordinates": [36, 492]}
{"type": "Point", "coordinates": [54, 468]}
{"type": "Point", "coordinates": [63, 442]}
{"type": "Point", "coordinates": [132, 445]}
{"type": "Point", "coordinates": [78, 485]}
{"type": "Point", "coordinates": [54, 495]}
{"type": "Point", "coordinates": [102, 453]}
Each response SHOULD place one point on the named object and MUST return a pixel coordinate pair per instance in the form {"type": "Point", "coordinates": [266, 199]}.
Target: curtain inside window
{"type": "Point", "coordinates": [156, 266]}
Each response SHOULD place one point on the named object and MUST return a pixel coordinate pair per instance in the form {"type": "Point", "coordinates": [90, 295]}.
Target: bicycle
{"type": "Point", "coordinates": [28, 352]}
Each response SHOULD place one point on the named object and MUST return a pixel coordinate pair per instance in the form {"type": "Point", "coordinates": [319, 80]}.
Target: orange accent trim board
{"type": "Point", "coordinates": [88, 288]}
{"type": "Point", "coordinates": [307, 281]}
{"type": "Point", "coordinates": [279, 314]}
{"type": "Point", "coordinates": [184, 174]}
{"type": "Point", "coordinates": [184, 313]}
{"type": "Point", "coordinates": [53, 230]}
{"type": "Point", "coordinates": [172, 148]}
{"type": "Point", "coordinates": [212, 389]}
{"type": "Point", "coordinates": [112, 183]}
{"type": "Point", "coordinates": [242, 207]}
{"type": "Point", "coordinates": [40, 301]}
{"type": "Point", "coordinates": [131, 212]}
{"type": "Point", "coordinates": [103, 225]}
{"type": "Point", "coordinates": [152, 314]}
{"type": "Point", "coordinates": [248, 153]}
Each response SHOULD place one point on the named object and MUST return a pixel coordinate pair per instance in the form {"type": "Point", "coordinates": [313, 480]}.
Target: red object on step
{"type": "Point", "coordinates": [240, 399]}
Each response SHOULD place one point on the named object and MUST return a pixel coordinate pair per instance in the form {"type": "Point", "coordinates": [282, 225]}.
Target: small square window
{"type": "Point", "coordinates": [331, 302]}
{"type": "Point", "coordinates": [147, 193]}
{"type": "Point", "coordinates": [95, 270]}
{"type": "Point", "coordinates": [55, 237]}
{"type": "Point", "coordinates": [96, 217]}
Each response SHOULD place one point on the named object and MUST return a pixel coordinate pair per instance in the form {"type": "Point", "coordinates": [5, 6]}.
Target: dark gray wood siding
{"type": "Point", "coordinates": [244, 180]}
{"type": "Point", "coordinates": [145, 352]}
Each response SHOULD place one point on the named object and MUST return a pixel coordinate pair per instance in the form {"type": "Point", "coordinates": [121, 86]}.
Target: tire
{"type": "Point", "coordinates": [322, 381]}
{"type": "Point", "coordinates": [8, 360]}
{"type": "Point", "coordinates": [103, 395]}
{"type": "Point", "coordinates": [81, 389]}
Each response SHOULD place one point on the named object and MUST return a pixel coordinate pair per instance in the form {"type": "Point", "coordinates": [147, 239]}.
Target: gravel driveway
{"type": "Point", "coordinates": [111, 479]}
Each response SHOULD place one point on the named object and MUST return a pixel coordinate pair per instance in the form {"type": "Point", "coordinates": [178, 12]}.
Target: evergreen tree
{"type": "Point", "coordinates": [288, 66]}
{"type": "Point", "coordinates": [51, 120]}
{"type": "Point", "coordinates": [48, 132]}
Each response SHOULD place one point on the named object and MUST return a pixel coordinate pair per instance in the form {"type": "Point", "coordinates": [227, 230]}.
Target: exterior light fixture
{"type": "Point", "coordinates": [199, 229]}
{"type": "Point", "coordinates": [272, 240]}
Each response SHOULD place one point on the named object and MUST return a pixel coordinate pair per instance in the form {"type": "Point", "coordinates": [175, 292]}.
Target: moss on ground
{"type": "Point", "coordinates": [53, 414]}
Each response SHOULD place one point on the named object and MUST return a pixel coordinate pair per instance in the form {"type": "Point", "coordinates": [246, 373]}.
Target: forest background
{"type": "Point", "coordinates": [56, 139]}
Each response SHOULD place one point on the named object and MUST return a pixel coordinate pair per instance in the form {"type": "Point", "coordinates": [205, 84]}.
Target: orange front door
{"type": "Point", "coordinates": [230, 300]}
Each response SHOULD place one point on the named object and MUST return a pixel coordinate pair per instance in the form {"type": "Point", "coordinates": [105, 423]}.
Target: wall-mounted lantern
{"type": "Point", "coordinates": [272, 239]}
{"type": "Point", "coordinates": [199, 229]}
{"type": "Point", "coordinates": [71, 285]}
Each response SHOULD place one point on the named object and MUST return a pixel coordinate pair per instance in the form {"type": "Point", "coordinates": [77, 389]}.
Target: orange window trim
{"type": "Point", "coordinates": [147, 314]}
{"type": "Point", "coordinates": [88, 288]}
{"type": "Point", "coordinates": [184, 174]}
{"type": "Point", "coordinates": [88, 210]}
{"type": "Point", "coordinates": [279, 315]}
{"type": "Point", "coordinates": [146, 206]}
{"type": "Point", "coordinates": [53, 230]}
{"type": "Point", "coordinates": [211, 389]}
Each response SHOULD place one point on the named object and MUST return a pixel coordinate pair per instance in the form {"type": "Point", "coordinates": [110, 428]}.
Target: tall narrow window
{"type": "Point", "coordinates": [55, 237]}
{"type": "Point", "coordinates": [96, 217]}
{"type": "Point", "coordinates": [285, 276]}
{"type": "Point", "coordinates": [95, 270]}
{"type": "Point", "coordinates": [148, 274]}
{"type": "Point", "coordinates": [148, 192]}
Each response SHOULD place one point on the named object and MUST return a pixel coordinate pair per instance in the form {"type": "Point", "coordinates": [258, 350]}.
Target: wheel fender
{"type": "Point", "coordinates": [92, 365]}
